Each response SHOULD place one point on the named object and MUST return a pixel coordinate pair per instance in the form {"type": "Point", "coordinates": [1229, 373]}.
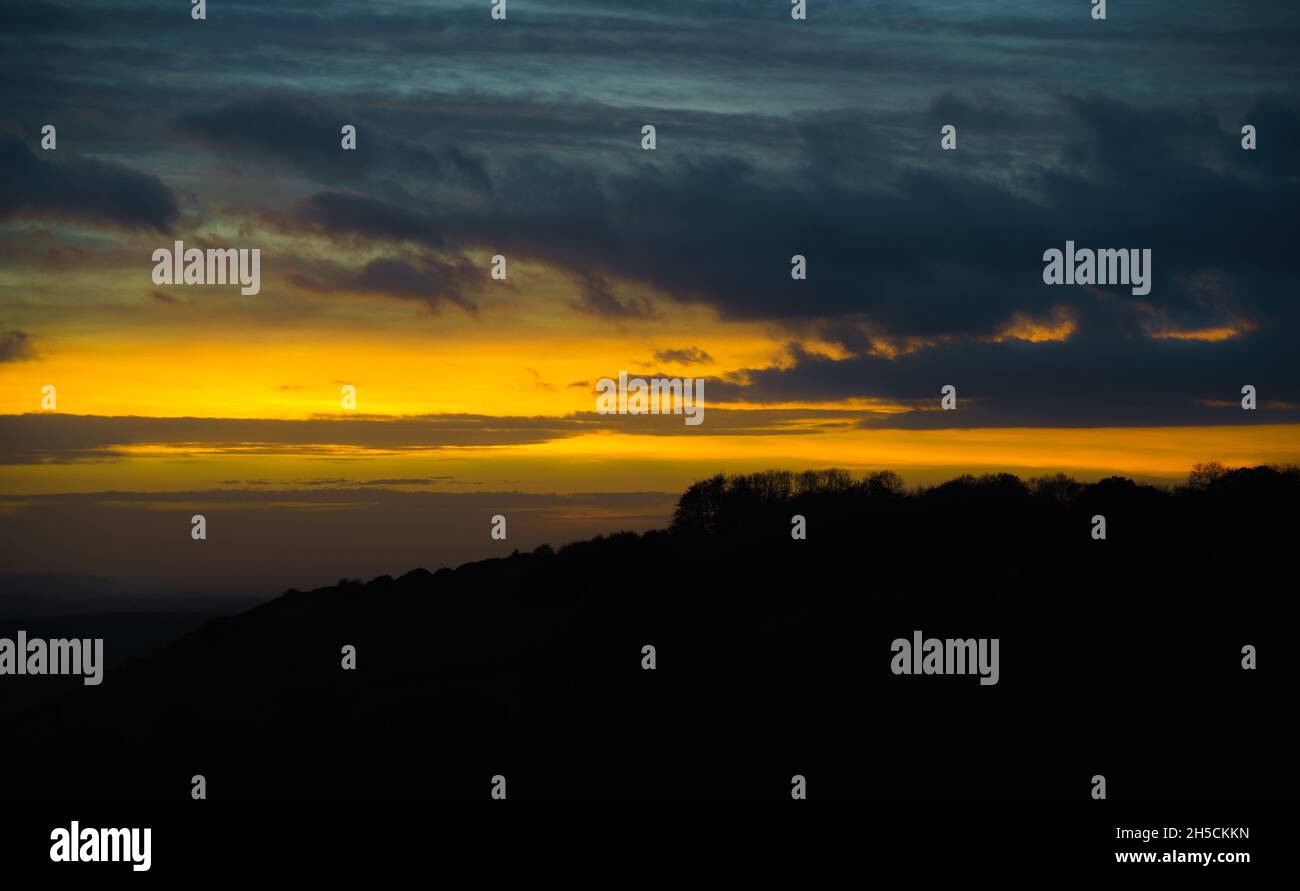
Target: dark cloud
{"type": "Point", "coordinates": [1083, 382]}
{"type": "Point", "coordinates": [80, 189]}
{"type": "Point", "coordinates": [947, 254]}
{"type": "Point", "coordinates": [288, 131]}
{"type": "Point", "coordinates": [300, 133]}
{"type": "Point", "coordinates": [15, 346]}
{"type": "Point", "coordinates": [685, 356]}
{"type": "Point", "coordinates": [38, 18]}
{"type": "Point", "coordinates": [340, 214]}
{"type": "Point", "coordinates": [57, 438]}
{"type": "Point", "coordinates": [336, 482]}
{"type": "Point", "coordinates": [35, 438]}
{"type": "Point", "coordinates": [427, 280]}
{"type": "Point", "coordinates": [913, 252]}
{"type": "Point", "coordinates": [432, 279]}
{"type": "Point", "coordinates": [423, 481]}
{"type": "Point", "coordinates": [598, 298]}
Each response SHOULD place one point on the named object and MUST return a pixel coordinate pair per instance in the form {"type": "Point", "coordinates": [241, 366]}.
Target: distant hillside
{"type": "Point", "coordinates": [24, 595]}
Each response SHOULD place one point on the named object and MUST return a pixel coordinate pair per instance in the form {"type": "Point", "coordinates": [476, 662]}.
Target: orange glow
{"type": "Point", "coordinates": [526, 352]}
{"type": "Point", "coordinates": [613, 461]}
{"type": "Point", "coordinates": [1059, 327]}
{"type": "Point", "coordinates": [1207, 335]}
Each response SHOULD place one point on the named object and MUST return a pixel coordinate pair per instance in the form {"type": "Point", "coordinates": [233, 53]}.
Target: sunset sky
{"type": "Point", "coordinates": [523, 138]}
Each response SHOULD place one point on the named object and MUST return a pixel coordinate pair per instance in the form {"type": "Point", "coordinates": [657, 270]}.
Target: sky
{"type": "Point", "coordinates": [523, 138]}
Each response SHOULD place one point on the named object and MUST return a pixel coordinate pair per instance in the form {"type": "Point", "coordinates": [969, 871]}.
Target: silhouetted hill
{"type": "Point", "coordinates": [127, 636]}
{"type": "Point", "coordinates": [1118, 656]}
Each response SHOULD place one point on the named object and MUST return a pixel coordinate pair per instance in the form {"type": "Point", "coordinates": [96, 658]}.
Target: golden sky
{"type": "Point", "coordinates": [923, 266]}
{"type": "Point", "coordinates": [525, 352]}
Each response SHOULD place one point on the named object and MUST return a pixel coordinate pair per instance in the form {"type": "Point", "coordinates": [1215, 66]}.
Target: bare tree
{"type": "Point", "coordinates": [1203, 474]}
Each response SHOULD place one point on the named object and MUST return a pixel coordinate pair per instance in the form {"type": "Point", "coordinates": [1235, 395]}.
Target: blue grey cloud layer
{"type": "Point", "coordinates": [775, 137]}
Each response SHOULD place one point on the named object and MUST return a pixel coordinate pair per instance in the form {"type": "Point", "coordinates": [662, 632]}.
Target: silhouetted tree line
{"type": "Point", "coordinates": [836, 503]}
{"type": "Point", "coordinates": [714, 505]}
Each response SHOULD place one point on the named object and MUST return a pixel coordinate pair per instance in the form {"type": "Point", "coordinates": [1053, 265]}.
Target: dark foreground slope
{"type": "Point", "coordinates": [1119, 657]}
